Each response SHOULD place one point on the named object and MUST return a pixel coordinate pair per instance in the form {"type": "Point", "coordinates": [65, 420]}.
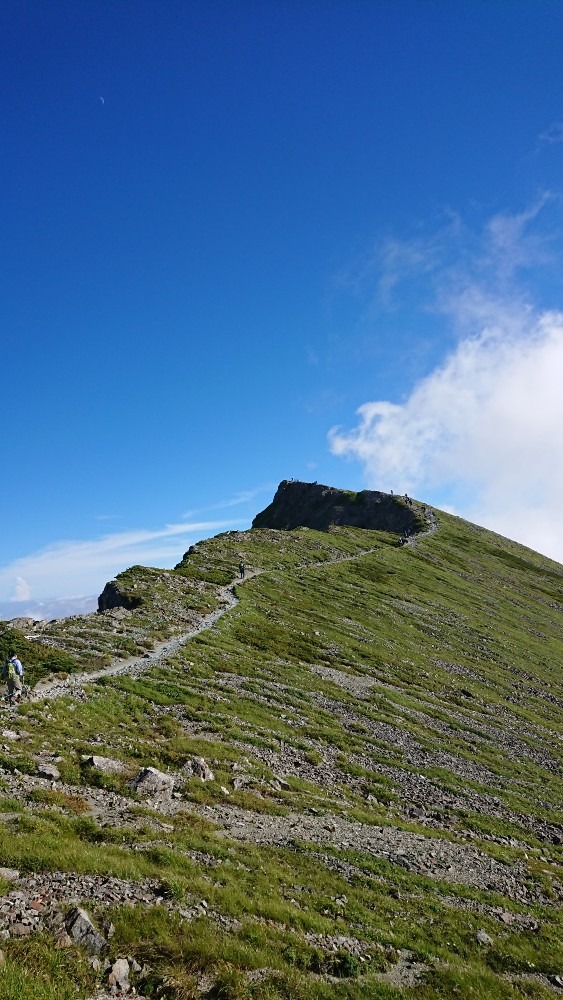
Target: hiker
{"type": "Point", "coordinates": [241, 569]}
{"type": "Point", "coordinates": [12, 673]}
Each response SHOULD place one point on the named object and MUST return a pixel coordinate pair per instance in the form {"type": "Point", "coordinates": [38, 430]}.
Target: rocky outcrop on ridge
{"type": "Point", "coordinates": [114, 597]}
{"type": "Point", "coordinates": [311, 505]}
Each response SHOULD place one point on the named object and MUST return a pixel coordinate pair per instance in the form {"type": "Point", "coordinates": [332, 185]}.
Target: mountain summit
{"type": "Point", "coordinates": [310, 505]}
{"type": "Point", "coordinates": [317, 759]}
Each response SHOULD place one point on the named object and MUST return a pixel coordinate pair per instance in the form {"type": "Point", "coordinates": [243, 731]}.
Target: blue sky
{"type": "Point", "coordinates": [249, 241]}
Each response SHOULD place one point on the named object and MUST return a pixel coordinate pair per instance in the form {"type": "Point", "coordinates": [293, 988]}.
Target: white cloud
{"type": "Point", "coordinates": [21, 589]}
{"type": "Point", "coordinates": [483, 431]}
{"type": "Point", "coordinates": [83, 567]}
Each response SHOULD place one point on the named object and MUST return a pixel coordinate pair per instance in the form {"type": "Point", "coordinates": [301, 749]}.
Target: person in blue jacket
{"type": "Point", "coordinates": [12, 673]}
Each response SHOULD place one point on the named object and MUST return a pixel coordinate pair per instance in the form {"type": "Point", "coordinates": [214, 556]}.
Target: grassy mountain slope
{"type": "Point", "coordinates": [384, 725]}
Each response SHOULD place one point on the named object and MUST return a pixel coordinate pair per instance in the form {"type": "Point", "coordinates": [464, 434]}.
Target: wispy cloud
{"type": "Point", "coordinates": [482, 432]}
{"type": "Point", "coordinates": [553, 134]}
{"type": "Point", "coordinates": [451, 256]}
{"type": "Point", "coordinates": [83, 567]}
{"type": "Point", "coordinates": [400, 260]}
{"type": "Point", "coordinates": [236, 500]}
{"type": "Point", "coordinates": [21, 589]}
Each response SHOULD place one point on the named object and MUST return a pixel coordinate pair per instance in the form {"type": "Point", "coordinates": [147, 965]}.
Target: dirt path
{"type": "Point", "coordinates": [136, 665]}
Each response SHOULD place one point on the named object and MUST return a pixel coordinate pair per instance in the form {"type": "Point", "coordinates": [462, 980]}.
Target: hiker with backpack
{"type": "Point", "coordinates": [12, 673]}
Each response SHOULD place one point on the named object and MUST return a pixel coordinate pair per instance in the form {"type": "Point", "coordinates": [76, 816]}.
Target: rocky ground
{"type": "Point", "coordinates": [48, 901]}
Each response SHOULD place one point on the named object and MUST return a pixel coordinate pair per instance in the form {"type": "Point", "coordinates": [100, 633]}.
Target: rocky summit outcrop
{"type": "Point", "coordinates": [312, 505]}
{"type": "Point", "coordinates": [112, 596]}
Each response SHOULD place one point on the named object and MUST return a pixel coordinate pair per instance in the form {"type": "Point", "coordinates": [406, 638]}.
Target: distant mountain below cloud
{"type": "Point", "coordinates": [49, 608]}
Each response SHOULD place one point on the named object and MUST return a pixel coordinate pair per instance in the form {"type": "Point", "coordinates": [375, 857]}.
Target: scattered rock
{"type": "Point", "coordinates": [199, 768]}
{"type": "Point", "coordinates": [49, 771]}
{"type": "Point", "coordinates": [104, 764]}
{"type": "Point", "coordinates": [20, 930]}
{"type": "Point", "coordinates": [118, 978]}
{"type": "Point", "coordinates": [10, 874]}
{"type": "Point", "coordinates": [82, 930]}
{"type": "Point", "coordinates": [483, 937]}
{"type": "Point", "coordinates": [283, 785]}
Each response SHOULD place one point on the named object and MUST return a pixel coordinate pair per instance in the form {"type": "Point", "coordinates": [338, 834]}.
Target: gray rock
{"type": "Point", "coordinates": [49, 771]}
{"type": "Point", "coordinates": [82, 930]}
{"type": "Point", "coordinates": [118, 978]}
{"type": "Point", "coordinates": [10, 874]}
{"type": "Point", "coordinates": [483, 937]}
{"type": "Point", "coordinates": [151, 782]}
{"type": "Point", "coordinates": [20, 930]}
{"type": "Point", "coordinates": [107, 765]}
{"type": "Point", "coordinates": [199, 768]}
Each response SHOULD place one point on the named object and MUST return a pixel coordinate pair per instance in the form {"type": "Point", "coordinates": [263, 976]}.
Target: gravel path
{"type": "Point", "coordinates": [139, 664]}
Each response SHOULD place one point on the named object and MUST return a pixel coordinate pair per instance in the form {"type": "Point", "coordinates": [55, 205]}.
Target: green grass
{"type": "Point", "coordinates": [34, 970]}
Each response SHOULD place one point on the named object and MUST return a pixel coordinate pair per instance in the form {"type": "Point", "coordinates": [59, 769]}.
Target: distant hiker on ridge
{"type": "Point", "coordinates": [241, 569]}
{"type": "Point", "coordinates": [12, 673]}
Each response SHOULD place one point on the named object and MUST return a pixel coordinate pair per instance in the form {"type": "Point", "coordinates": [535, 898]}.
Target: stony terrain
{"type": "Point", "coordinates": [338, 777]}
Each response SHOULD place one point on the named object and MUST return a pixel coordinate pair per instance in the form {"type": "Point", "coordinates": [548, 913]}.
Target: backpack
{"type": "Point", "coordinates": [9, 671]}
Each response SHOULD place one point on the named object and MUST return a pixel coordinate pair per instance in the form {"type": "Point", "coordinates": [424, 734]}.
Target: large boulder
{"type": "Point", "coordinates": [151, 783]}
{"type": "Point", "coordinates": [81, 929]}
{"type": "Point", "coordinates": [48, 771]}
{"type": "Point", "coordinates": [112, 596]}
